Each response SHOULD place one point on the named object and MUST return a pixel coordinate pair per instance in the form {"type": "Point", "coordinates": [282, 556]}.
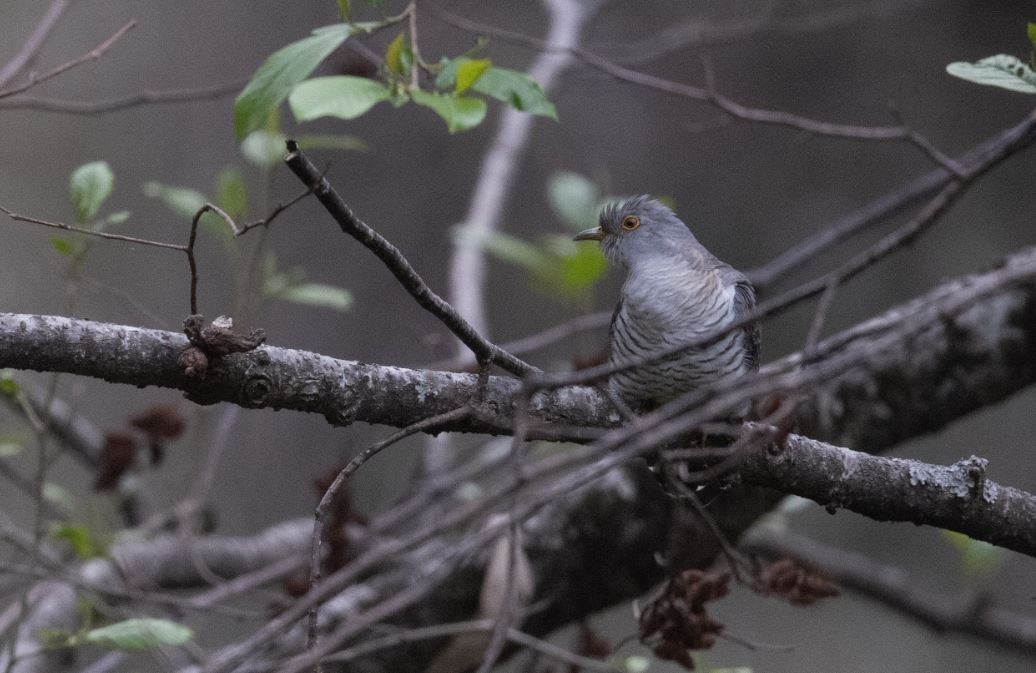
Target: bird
{"type": "Point", "coordinates": [675, 292]}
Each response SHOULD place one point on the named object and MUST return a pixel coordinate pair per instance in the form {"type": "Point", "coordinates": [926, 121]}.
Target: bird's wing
{"type": "Point", "coordinates": [744, 303]}
{"type": "Point", "coordinates": [615, 316]}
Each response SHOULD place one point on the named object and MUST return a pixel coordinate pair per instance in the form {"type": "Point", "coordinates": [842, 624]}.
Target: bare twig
{"type": "Point", "coordinates": [91, 55]}
{"type": "Point", "coordinates": [533, 342]}
{"type": "Point", "coordinates": [20, 61]}
{"type": "Point", "coordinates": [763, 22]}
{"type": "Point", "coordinates": [892, 587]}
{"type": "Point", "coordinates": [703, 94]}
{"type": "Point", "coordinates": [484, 350]}
{"type": "Point", "coordinates": [146, 97]}
{"type": "Point", "coordinates": [320, 516]}
{"type": "Point", "coordinates": [404, 637]}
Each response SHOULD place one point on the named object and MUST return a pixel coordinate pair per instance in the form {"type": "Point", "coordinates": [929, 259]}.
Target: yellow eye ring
{"type": "Point", "coordinates": [630, 222]}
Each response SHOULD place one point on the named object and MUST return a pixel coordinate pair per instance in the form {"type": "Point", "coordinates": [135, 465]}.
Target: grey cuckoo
{"type": "Point", "coordinates": [675, 292]}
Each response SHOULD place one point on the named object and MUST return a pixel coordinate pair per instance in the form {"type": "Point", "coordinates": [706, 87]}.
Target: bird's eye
{"type": "Point", "coordinates": [630, 222]}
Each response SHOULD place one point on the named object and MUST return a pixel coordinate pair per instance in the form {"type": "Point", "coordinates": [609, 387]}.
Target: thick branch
{"type": "Point", "coordinates": [959, 497]}
{"type": "Point", "coordinates": [954, 366]}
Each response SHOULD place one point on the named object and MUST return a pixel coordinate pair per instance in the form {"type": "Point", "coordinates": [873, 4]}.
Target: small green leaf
{"type": "Point", "coordinates": [636, 664]}
{"type": "Point", "coordinates": [264, 149]}
{"type": "Point", "coordinates": [574, 198]}
{"type": "Point", "coordinates": [56, 494]}
{"type": "Point", "coordinates": [114, 219]}
{"type": "Point", "coordinates": [579, 271]}
{"type": "Point", "coordinates": [394, 54]}
{"type": "Point", "coordinates": [138, 634]}
{"type": "Point", "coordinates": [326, 141]}
{"type": "Point", "coordinates": [460, 112]}
{"type": "Point", "coordinates": [231, 193]}
{"type": "Point", "coordinates": [8, 386]}
{"type": "Point", "coordinates": [279, 74]}
{"type": "Point", "coordinates": [469, 72]}
{"type": "Point", "coordinates": [517, 90]}
{"type": "Point", "coordinates": [1032, 34]}
{"type": "Point", "coordinates": [317, 294]}
{"type": "Point", "coordinates": [978, 559]}
{"type": "Point", "coordinates": [342, 96]}
{"type": "Point", "coordinates": [61, 245]}
{"type": "Point", "coordinates": [344, 10]}
{"type": "Point", "coordinates": [180, 200]}
{"type": "Point", "coordinates": [89, 186]}
{"type": "Point", "coordinates": [10, 446]}
{"type": "Point", "coordinates": [1006, 72]}
{"type": "Point", "coordinates": [511, 249]}
{"type": "Point", "coordinates": [83, 544]}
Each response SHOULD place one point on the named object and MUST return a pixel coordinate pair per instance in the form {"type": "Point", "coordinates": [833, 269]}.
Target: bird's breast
{"type": "Point", "coordinates": [664, 308]}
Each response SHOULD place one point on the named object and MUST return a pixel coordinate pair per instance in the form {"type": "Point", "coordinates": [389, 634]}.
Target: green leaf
{"type": "Point", "coordinates": [511, 249]}
{"type": "Point", "coordinates": [10, 446]}
{"type": "Point", "coordinates": [342, 96]}
{"type": "Point", "coordinates": [344, 10]}
{"type": "Point", "coordinates": [317, 294]}
{"type": "Point", "coordinates": [1032, 34]}
{"type": "Point", "coordinates": [460, 112]}
{"type": "Point", "coordinates": [8, 386]}
{"type": "Point", "coordinates": [56, 494]}
{"type": "Point", "coordinates": [978, 559]}
{"type": "Point", "coordinates": [62, 246]}
{"type": "Point", "coordinates": [138, 634]}
{"type": "Point", "coordinates": [579, 271]}
{"type": "Point", "coordinates": [180, 200]}
{"type": "Point", "coordinates": [264, 149]}
{"type": "Point", "coordinates": [1006, 72]}
{"type": "Point", "coordinates": [231, 193]}
{"type": "Point", "coordinates": [574, 198]}
{"type": "Point", "coordinates": [83, 544]}
{"type": "Point", "coordinates": [517, 90]}
{"type": "Point", "coordinates": [636, 664]}
{"type": "Point", "coordinates": [89, 186]}
{"type": "Point", "coordinates": [279, 74]}
{"type": "Point", "coordinates": [336, 141]}
{"type": "Point", "coordinates": [114, 219]}
{"type": "Point", "coordinates": [507, 86]}
{"type": "Point", "coordinates": [469, 72]}
{"type": "Point", "coordinates": [394, 54]}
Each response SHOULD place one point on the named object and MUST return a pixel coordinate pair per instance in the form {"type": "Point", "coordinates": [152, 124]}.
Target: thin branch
{"type": "Point", "coordinates": [20, 61]}
{"type": "Point", "coordinates": [883, 208]}
{"type": "Point", "coordinates": [702, 94]}
{"type": "Point", "coordinates": [146, 97]}
{"type": "Point", "coordinates": [90, 232]}
{"type": "Point", "coordinates": [92, 55]}
{"type": "Point", "coordinates": [320, 516]}
{"type": "Point", "coordinates": [893, 587]}
{"type": "Point", "coordinates": [484, 350]}
{"type": "Point", "coordinates": [404, 637]}
{"type": "Point", "coordinates": [763, 23]}
{"type": "Point", "coordinates": [533, 342]}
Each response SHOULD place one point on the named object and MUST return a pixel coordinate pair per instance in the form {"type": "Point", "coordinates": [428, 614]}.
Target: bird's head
{"type": "Point", "coordinates": [639, 228]}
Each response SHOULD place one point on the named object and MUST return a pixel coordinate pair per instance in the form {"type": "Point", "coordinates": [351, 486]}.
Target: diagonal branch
{"type": "Point", "coordinates": [485, 351]}
{"type": "Point", "coordinates": [34, 42]}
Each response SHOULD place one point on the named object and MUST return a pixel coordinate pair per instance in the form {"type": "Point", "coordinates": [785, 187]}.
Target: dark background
{"type": "Point", "coordinates": [748, 192]}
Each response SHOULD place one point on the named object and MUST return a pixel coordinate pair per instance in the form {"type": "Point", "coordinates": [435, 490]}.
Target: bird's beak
{"type": "Point", "coordinates": [595, 234]}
